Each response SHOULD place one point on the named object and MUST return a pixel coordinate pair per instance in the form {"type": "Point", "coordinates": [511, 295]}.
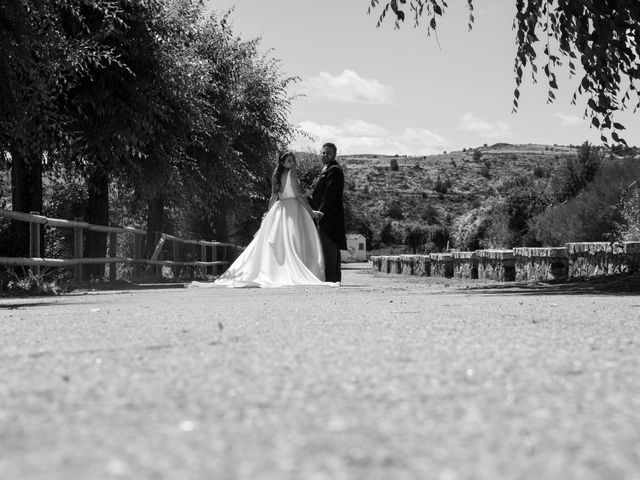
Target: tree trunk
{"type": "Point", "coordinates": [155, 223]}
{"type": "Point", "coordinates": [97, 214]}
{"type": "Point", "coordinates": [26, 196]}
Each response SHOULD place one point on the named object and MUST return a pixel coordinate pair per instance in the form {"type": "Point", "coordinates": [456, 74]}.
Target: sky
{"type": "Point", "coordinates": [398, 91]}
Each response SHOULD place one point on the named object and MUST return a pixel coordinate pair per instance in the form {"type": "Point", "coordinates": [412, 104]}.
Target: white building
{"type": "Point", "coordinates": [356, 248]}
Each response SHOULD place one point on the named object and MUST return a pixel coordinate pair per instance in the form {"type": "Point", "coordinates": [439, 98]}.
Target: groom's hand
{"type": "Point", "coordinates": [318, 214]}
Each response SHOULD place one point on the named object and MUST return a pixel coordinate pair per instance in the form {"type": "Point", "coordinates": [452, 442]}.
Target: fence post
{"type": "Point", "coordinates": [203, 258]}
{"type": "Point", "coordinates": [78, 250]}
{"type": "Point", "coordinates": [176, 258]}
{"type": "Point", "coordinates": [34, 243]}
{"type": "Point", "coordinates": [112, 254]}
{"type": "Point", "coordinates": [214, 257]}
{"type": "Point", "coordinates": [158, 268]}
{"type": "Point", "coordinates": [137, 253]}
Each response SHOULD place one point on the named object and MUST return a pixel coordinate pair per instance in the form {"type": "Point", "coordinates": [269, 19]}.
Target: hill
{"type": "Point", "coordinates": [435, 189]}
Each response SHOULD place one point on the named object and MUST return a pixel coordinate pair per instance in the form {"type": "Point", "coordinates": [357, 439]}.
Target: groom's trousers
{"type": "Point", "coordinates": [332, 260]}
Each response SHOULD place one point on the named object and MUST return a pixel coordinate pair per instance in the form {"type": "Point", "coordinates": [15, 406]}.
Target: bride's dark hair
{"type": "Point", "coordinates": [277, 173]}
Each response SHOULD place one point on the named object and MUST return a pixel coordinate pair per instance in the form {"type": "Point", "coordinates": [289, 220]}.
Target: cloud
{"type": "Point", "coordinates": [570, 120]}
{"type": "Point", "coordinates": [358, 136]}
{"type": "Point", "coordinates": [361, 128]}
{"type": "Point", "coordinates": [484, 129]}
{"type": "Point", "coordinates": [347, 87]}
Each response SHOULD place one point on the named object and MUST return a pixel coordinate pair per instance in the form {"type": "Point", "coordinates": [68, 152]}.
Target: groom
{"type": "Point", "coordinates": [326, 202]}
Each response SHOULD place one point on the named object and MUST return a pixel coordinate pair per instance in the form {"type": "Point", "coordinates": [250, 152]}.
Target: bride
{"type": "Point", "coordinates": [286, 250]}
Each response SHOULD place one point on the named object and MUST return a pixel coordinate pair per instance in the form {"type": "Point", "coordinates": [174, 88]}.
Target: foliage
{"type": "Point", "coordinates": [393, 164]}
{"type": "Point", "coordinates": [539, 171]}
{"type": "Point", "coordinates": [523, 201]}
{"type": "Point", "coordinates": [309, 168]}
{"type": "Point", "coordinates": [395, 210]}
{"type": "Point", "coordinates": [441, 186]}
{"type": "Point", "coordinates": [439, 236]}
{"type": "Point", "coordinates": [577, 172]}
{"type": "Point", "coordinates": [430, 214]}
{"type": "Point", "coordinates": [389, 235]}
{"type": "Point", "coordinates": [25, 281]}
{"type": "Point", "coordinates": [603, 36]}
{"type": "Point", "coordinates": [415, 237]}
{"type": "Point", "coordinates": [594, 215]}
{"type": "Point", "coordinates": [146, 97]}
{"type": "Point", "coordinates": [628, 229]}
{"type": "Point", "coordinates": [45, 49]}
{"type": "Point", "coordinates": [238, 155]}
{"type": "Point", "coordinates": [485, 170]}
{"type": "Point", "coordinates": [66, 199]}
{"type": "Point", "coordinates": [485, 226]}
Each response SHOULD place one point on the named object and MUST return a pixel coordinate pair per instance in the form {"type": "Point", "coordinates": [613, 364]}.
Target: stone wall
{"type": "Point", "coordinates": [422, 265]}
{"type": "Point", "coordinates": [407, 263]}
{"type": "Point", "coordinates": [496, 265]}
{"type": "Point", "coordinates": [465, 264]}
{"type": "Point", "coordinates": [602, 258]}
{"type": "Point", "coordinates": [574, 260]}
{"type": "Point", "coordinates": [441, 265]}
{"type": "Point", "coordinates": [541, 264]}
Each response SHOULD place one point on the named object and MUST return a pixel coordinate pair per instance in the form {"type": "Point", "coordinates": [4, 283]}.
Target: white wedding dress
{"type": "Point", "coordinates": [285, 251]}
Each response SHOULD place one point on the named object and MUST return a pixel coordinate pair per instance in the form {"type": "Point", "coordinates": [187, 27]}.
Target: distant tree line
{"type": "Point", "coordinates": [144, 100]}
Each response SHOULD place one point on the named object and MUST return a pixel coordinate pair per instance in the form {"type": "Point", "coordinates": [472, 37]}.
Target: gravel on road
{"type": "Point", "coordinates": [386, 377]}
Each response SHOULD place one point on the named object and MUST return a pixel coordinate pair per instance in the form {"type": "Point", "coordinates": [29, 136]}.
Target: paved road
{"type": "Point", "coordinates": [384, 378]}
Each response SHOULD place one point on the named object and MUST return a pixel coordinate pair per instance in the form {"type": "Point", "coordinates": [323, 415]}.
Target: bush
{"type": "Point", "coordinates": [393, 164]}
{"type": "Point", "coordinates": [28, 283]}
{"type": "Point", "coordinates": [441, 186]}
{"type": "Point", "coordinates": [629, 226]}
{"type": "Point", "coordinates": [483, 227]}
{"type": "Point", "coordinates": [440, 237]}
{"type": "Point", "coordinates": [523, 202]}
{"type": "Point", "coordinates": [388, 235]}
{"type": "Point", "coordinates": [430, 214]}
{"type": "Point", "coordinates": [539, 171]}
{"type": "Point", "coordinates": [485, 170]}
{"type": "Point", "coordinates": [309, 168]}
{"type": "Point", "coordinates": [477, 155]}
{"type": "Point", "coordinates": [67, 200]}
{"type": "Point", "coordinates": [395, 210]}
{"type": "Point", "coordinates": [414, 237]}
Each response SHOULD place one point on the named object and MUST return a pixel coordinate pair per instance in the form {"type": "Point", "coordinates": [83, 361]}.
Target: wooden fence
{"type": "Point", "coordinates": [35, 260]}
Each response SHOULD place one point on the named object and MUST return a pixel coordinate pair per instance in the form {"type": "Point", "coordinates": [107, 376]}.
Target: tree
{"type": "Point", "coordinates": [130, 116]}
{"type": "Point", "coordinates": [523, 201]}
{"type": "Point", "coordinates": [414, 237]}
{"type": "Point", "coordinates": [603, 36]}
{"type": "Point", "coordinates": [248, 97]}
{"type": "Point", "coordinates": [41, 58]}
{"type": "Point", "coordinates": [577, 172]}
{"type": "Point", "coordinates": [395, 210]}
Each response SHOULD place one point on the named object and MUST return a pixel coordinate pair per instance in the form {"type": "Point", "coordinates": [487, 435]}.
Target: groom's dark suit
{"type": "Point", "coordinates": [327, 198]}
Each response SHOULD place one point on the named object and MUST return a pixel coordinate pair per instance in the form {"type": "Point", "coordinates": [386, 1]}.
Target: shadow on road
{"type": "Point", "coordinates": [618, 285]}
{"type": "Point", "coordinates": [16, 306]}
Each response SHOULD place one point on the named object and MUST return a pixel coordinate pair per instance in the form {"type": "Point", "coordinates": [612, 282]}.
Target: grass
{"type": "Point", "coordinates": [30, 283]}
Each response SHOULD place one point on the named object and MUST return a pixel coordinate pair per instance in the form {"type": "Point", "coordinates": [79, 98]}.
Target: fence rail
{"type": "Point", "coordinates": [35, 261]}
